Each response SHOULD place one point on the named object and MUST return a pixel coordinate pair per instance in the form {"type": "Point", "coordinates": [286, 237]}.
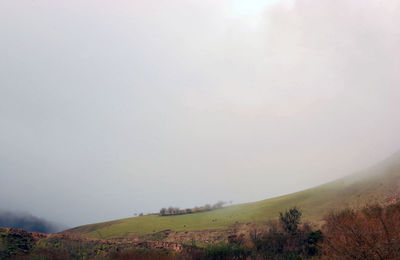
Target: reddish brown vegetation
{"type": "Point", "coordinates": [370, 233]}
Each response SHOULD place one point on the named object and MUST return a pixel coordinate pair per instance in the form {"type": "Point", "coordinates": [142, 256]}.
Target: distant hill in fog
{"type": "Point", "coordinates": [27, 222]}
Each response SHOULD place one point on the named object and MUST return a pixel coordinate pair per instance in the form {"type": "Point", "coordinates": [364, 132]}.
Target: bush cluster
{"type": "Point", "coordinates": [171, 211]}
{"type": "Point", "coordinates": [370, 233]}
{"type": "Point", "coordinates": [286, 238]}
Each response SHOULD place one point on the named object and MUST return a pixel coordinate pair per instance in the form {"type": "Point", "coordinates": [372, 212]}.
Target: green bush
{"type": "Point", "coordinates": [224, 251]}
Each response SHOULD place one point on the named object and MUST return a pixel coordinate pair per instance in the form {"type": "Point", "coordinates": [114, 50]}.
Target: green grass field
{"type": "Point", "coordinates": [373, 185]}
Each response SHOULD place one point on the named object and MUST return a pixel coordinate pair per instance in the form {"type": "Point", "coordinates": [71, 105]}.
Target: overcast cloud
{"type": "Point", "coordinates": [108, 108]}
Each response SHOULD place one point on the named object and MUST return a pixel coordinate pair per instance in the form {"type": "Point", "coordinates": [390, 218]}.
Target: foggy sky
{"type": "Point", "coordinates": [110, 108]}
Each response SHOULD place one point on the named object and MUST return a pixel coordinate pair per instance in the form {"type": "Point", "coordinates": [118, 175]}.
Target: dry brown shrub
{"type": "Point", "coordinates": [370, 233]}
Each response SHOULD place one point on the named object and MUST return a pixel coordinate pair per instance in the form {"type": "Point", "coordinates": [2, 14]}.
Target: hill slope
{"type": "Point", "coordinates": [378, 184]}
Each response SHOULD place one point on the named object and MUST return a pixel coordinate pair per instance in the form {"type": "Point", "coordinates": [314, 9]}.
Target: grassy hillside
{"type": "Point", "coordinates": [379, 183]}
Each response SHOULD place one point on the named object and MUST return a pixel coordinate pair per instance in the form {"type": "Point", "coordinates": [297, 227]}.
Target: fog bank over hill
{"type": "Point", "coordinates": [108, 109]}
{"type": "Point", "coordinates": [27, 222]}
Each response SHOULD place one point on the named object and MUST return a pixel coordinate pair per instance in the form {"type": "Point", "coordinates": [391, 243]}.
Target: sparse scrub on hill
{"type": "Point", "coordinates": [171, 211]}
{"type": "Point", "coordinates": [15, 243]}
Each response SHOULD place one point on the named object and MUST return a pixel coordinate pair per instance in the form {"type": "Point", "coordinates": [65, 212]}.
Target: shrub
{"type": "Point", "coordinates": [226, 251]}
{"type": "Point", "coordinates": [286, 238]}
{"type": "Point", "coordinates": [370, 233]}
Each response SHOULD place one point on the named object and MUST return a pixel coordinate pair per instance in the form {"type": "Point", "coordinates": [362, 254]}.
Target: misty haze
{"type": "Point", "coordinates": [192, 122]}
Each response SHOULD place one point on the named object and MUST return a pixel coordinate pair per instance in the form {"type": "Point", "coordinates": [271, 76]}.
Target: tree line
{"type": "Point", "coordinates": [171, 211]}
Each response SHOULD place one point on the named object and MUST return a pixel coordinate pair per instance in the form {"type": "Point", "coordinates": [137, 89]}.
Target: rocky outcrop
{"type": "Point", "coordinates": [161, 245]}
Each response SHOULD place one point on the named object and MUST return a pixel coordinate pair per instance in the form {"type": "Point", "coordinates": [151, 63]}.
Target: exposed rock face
{"type": "Point", "coordinates": [161, 245]}
{"type": "Point", "coordinates": [206, 236]}
{"type": "Point", "coordinates": [20, 243]}
{"type": "Point", "coordinates": [203, 236]}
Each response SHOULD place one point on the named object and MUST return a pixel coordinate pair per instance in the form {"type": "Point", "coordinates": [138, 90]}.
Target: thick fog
{"type": "Point", "coordinates": [110, 108]}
